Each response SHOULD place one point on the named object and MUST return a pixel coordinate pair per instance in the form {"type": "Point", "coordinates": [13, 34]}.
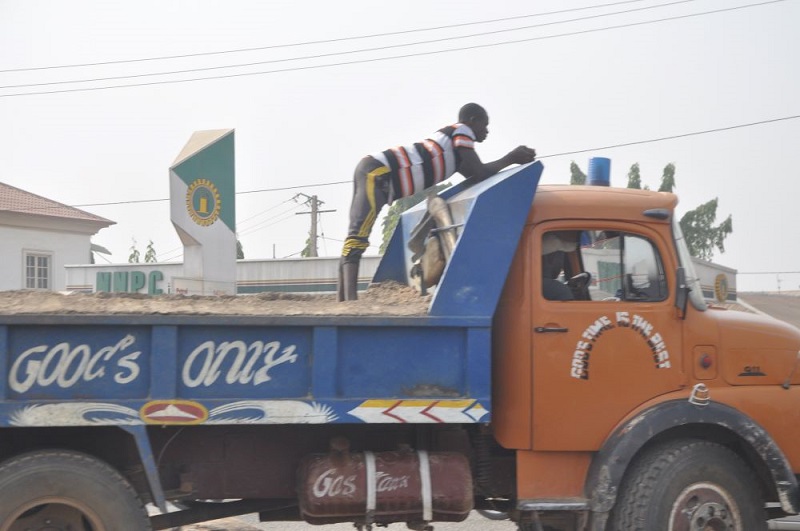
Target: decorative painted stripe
{"type": "Point", "coordinates": [419, 411]}
{"type": "Point", "coordinates": [173, 412]}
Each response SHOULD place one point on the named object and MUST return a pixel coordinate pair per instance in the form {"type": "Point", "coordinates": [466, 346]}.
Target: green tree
{"type": "Point", "coordinates": [306, 252]}
{"type": "Point", "coordinates": [668, 178]}
{"type": "Point", "coordinates": [400, 206]}
{"type": "Point", "coordinates": [133, 258]}
{"type": "Point", "coordinates": [701, 235]}
{"type": "Point", "coordinates": [634, 177]}
{"type": "Point", "coordinates": [239, 250]}
{"type": "Point", "coordinates": [150, 253]}
{"type": "Point", "coordinates": [697, 225]}
{"type": "Point", "coordinates": [576, 175]}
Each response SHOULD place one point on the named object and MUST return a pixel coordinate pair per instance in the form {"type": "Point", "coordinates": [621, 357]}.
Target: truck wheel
{"type": "Point", "coordinates": [58, 490]}
{"type": "Point", "coordinates": [689, 485]}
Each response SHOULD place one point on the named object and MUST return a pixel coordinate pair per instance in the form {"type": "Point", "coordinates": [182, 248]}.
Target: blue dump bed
{"type": "Point", "coordinates": [135, 370]}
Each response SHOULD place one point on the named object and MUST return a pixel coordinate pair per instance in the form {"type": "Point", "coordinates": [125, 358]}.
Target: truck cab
{"type": "Point", "coordinates": [607, 358]}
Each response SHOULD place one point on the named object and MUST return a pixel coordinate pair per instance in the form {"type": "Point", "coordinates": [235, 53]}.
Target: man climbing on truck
{"type": "Point", "coordinates": [402, 171]}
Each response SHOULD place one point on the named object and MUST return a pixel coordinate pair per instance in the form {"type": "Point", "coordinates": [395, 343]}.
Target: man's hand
{"type": "Point", "coordinates": [522, 155]}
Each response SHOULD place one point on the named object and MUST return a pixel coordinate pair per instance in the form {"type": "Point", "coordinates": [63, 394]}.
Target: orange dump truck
{"type": "Point", "coordinates": [566, 373]}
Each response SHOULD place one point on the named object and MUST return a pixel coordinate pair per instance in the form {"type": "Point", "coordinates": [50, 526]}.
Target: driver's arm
{"type": "Point", "coordinates": [472, 167]}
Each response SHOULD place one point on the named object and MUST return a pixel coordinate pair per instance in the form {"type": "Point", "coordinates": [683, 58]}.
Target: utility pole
{"type": "Point", "coordinates": [314, 204]}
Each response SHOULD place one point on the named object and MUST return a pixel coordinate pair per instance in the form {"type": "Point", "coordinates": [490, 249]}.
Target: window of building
{"type": "Point", "coordinates": [38, 270]}
{"type": "Point", "coordinates": [601, 265]}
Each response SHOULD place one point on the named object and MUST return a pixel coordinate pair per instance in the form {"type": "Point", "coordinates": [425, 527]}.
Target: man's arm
{"type": "Point", "coordinates": [472, 167]}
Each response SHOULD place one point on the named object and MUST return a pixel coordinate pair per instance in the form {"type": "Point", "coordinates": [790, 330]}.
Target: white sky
{"type": "Point", "coordinates": [306, 125]}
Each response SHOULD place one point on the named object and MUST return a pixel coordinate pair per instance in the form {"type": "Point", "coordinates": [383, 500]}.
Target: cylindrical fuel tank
{"type": "Point", "coordinates": [385, 487]}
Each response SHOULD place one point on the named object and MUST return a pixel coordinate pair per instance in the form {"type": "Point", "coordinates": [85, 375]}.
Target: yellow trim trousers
{"type": "Point", "coordinates": [371, 191]}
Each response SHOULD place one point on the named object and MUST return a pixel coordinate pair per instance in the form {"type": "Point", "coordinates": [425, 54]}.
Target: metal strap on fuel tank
{"type": "Point", "coordinates": [425, 482]}
{"type": "Point", "coordinates": [372, 484]}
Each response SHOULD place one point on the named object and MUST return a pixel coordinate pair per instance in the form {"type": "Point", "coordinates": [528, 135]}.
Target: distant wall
{"type": "Point", "coordinates": [718, 282]}
{"type": "Point", "coordinates": [63, 248]}
{"type": "Point", "coordinates": [297, 275]}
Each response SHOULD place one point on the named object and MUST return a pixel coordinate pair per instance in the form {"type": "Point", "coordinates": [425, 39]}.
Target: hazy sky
{"type": "Point", "coordinates": [581, 80]}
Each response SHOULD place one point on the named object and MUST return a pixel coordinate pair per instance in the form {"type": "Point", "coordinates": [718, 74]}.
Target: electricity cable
{"type": "Point", "coordinates": [551, 155]}
{"type": "Point", "coordinates": [388, 58]}
{"type": "Point", "coordinates": [336, 54]}
{"type": "Point", "coordinates": [324, 41]}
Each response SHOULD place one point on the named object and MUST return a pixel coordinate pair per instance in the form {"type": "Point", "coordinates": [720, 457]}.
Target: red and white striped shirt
{"type": "Point", "coordinates": [424, 164]}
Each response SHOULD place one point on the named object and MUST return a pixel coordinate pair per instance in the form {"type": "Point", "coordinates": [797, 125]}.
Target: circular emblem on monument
{"type": "Point", "coordinates": [202, 202]}
{"type": "Point", "coordinates": [721, 288]}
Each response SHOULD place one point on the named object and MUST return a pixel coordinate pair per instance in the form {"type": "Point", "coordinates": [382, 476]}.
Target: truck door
{"type": "Point", "coordinates": [606, 336]}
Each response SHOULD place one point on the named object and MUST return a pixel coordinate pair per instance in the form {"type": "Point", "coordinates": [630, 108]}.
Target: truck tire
{"type": "Point", "coordinates": [689, 485]}
{"type": "Point", "coordinates": [59, 490]}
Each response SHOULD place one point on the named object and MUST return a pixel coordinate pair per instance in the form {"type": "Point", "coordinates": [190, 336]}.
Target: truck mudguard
{"type": "Point", "coordinates": [609, 465]}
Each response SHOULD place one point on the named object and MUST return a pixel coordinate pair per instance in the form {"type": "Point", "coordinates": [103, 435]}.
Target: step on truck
{"type": "Point", "coordinates": [565, 372]}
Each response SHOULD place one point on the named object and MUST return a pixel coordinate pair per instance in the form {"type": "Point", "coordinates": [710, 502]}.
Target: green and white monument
{"type": "Point", "coordinates": [203, 211]}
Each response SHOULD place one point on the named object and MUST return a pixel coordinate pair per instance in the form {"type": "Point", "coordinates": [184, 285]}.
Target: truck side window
{"type": "Point", "coordinates": [623, 267]}
{"type": "Point", "coordinates": [559, 250]}
{"type": "Point", "coordinates": [555, 246]}
{"type": "Point", "coordinates": [601, 265]}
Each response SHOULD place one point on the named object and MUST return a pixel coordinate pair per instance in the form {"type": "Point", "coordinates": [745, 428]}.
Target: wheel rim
{"type": "Point", "coordinates": [704, 507]}
{"type": "Point", "coordinates": [53, 514]}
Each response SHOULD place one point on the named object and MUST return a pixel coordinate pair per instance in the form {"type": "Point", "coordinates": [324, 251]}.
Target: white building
{"type": "Point", "coordinates": [38, 237]}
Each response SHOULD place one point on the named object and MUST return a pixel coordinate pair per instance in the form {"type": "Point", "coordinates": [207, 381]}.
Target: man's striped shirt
{"type": "Point", "coordinates": [424, 164]}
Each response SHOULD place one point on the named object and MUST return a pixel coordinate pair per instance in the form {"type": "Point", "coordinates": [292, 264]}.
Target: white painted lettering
{"type": "Point", "coordinates": [66, 366]}
{"type": "Point", "coordinates": [388, 483]}
{"type": "Point", "coordinates": [204, 365]}
{"type": "Point", "coordinates": [330, 484]}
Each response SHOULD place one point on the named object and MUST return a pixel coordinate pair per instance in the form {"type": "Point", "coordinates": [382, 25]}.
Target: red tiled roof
{"type": "Point", "coordinates": [15, 200]}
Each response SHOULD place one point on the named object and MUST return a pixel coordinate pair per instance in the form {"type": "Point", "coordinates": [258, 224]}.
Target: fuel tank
{"type": "Point", "coordinates": [385, 487]}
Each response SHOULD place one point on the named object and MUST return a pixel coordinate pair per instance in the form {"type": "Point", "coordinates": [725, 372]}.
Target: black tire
{"type": "Point", "coordinates": [688, 485]}
{"type": "Point", "coordinates": [60, 490]}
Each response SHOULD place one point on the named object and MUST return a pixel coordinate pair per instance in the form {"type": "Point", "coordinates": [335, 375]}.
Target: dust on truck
{"type": "Point", "coordinates": [615, 399]}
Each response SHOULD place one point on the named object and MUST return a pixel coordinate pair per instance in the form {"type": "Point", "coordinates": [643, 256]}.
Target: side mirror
{"type": "Point", "coordinates": [681, 292]}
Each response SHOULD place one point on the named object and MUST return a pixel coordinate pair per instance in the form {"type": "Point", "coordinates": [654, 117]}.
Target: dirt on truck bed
{"type": "Point", "coordinates": [387, 298]}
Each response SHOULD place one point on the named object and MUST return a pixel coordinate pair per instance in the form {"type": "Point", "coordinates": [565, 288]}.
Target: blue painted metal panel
{"type": "Point", "coordinates": [478, 362]}
{"type": "Point", "coordinates": [323, 366]}
{"type": "Point", "coordinates": [3, 360]}
{"type": "Point", "coordinates": [165, 348]}
{"type": "Point", "coordinates": [476, 272]}
{"type": "Point", "coordinates": [493, 213]}
{"type": "Point", "coordinates": [244, 362]}
{"type": "Point", "coordinates": [394, 363]}
{"type": "Point", "coordinates": [50, 362]}
{"type": "Point", "coordinates": [393, 263]}
{"type": "Point", "coordinates": [97, 371]}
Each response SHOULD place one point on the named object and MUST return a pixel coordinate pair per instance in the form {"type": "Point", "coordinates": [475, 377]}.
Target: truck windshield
{"type": "Point", "coordinates": [693, 281]}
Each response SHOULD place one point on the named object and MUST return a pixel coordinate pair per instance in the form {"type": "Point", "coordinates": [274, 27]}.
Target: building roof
{"type": "Point", "coordinates": [15, 200]}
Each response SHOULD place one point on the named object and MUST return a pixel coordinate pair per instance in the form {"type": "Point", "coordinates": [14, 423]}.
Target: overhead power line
{"type": "Point", "coordinates": [393, 57]}
{"type": "Point", "coordinates": [338, 54]}
{"type": "Point", "coordinates": [297, 187]}
{"type": "Point", "coordinates": [672, 137]}
{"type": "Point", "coordinates": [546, 156]}
{"type": "Point", "coordinates": [323, 41]}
